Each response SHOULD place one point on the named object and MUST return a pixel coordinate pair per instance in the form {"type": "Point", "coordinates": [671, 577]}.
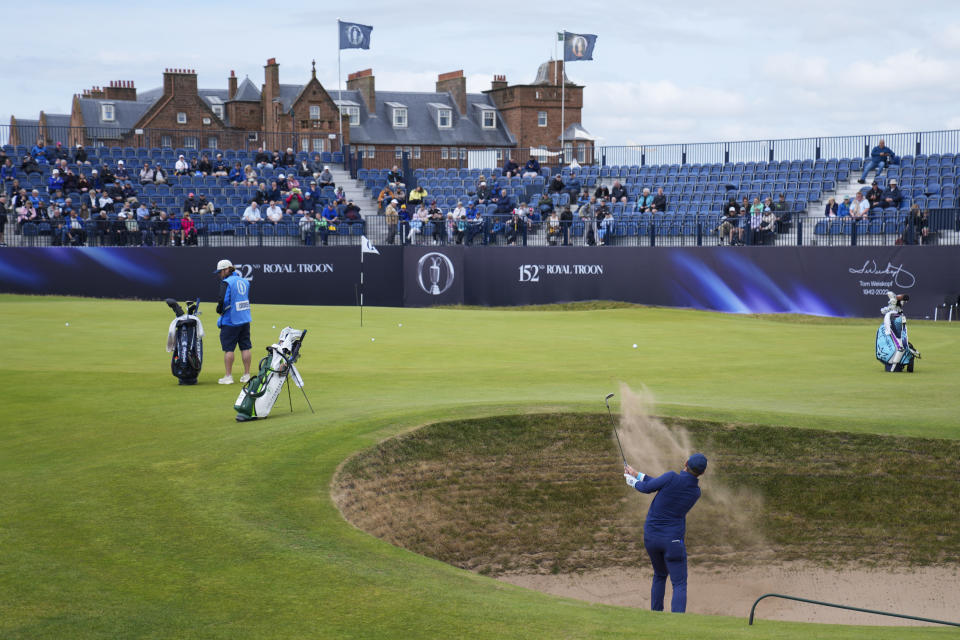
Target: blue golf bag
{"type": "Point", "coordinates": [894, 349]}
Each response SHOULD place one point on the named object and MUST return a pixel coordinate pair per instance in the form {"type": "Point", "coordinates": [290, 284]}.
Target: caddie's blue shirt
{"type": "Point", "coordinates": [236, 301]}
{"type": "Point", "coordinates": [676, 495]}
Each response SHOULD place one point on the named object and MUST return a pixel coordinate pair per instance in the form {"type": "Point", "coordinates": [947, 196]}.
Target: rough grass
{"type": "Point", "coordinates": [543, 493]}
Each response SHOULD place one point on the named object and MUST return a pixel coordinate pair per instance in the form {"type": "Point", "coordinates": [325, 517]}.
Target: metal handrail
{"type": "Point", "coordinates": [843, 606]}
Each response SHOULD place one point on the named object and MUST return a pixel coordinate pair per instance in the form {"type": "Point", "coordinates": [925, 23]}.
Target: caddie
{"type": "Point", "coordinates": [233, 305]}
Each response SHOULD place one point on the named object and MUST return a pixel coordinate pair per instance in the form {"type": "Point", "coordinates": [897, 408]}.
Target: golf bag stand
{"type": "Point", "coordinates": [894, 349]}
{"type": "Point", "coordinates": [185, 341]}
{"type": "Point", "coordinates": [260, 393]}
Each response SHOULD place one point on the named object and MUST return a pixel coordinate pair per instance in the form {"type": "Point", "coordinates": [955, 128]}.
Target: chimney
{"type": "Point", "coordinates": [93, 92]}
{"type": "Point", "coordinates": [120, 90]}
{"type": "Point", "coordinates": [556, 72]}
{"type": "Point", "coordinates": [231, 85]}
{"type": "Point", "coordinates": [271, 78]}
{"type": "Point", "coordinates": [362, 81]}
{"type": "Point", "coordinates": [179, 81]}
{"type": "Point", "coordinates": [456, 85]}
{"type": "Point", "coordinates": [499, 82]}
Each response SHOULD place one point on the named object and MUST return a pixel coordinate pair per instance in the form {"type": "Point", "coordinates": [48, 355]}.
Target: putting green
{"type": "Point", "coordinates": [132, 507]}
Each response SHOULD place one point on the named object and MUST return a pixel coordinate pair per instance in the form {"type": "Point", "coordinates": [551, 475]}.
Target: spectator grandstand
{"type": "Point", "coordinates": [697, 198]}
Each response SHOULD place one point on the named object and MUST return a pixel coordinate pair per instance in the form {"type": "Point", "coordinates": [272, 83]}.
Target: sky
{"type": "Point", "coordinates": [662, 71]}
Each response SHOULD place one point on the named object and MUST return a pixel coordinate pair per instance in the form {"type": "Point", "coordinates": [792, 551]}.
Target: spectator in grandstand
{"type": "Point", "coordinates": [584, 197]}
{"type": "Point", "coordinates": [181, 167]}
{"type": "Point", "coordinates": [459, 210]}
{"type": "Point", "coordinates": [309, 202]}
{"type": "Point", "coordinates": [385, 196]}
{"type": "Point", "coordinates": [351, 212]}
{"type": "Point", "coordinates": [917, 227]}
{"type": "Point", "coordinates": [294, 201]}
{"type": "Point", "coordinates": [276, 158]}
{"type": "Point", "coordinates": [290, 159]}
{"type": "Point", "coordinates": [27, 212]}
{"type": "Point", "coordinates": [880, 158]}
{"type": "Point", "coordinates": [416, 223]}
{"type": "Point", "coordinates": [395, 176]}
{"type": "Point", "coordinates": [417, 195]}
{"type": "Point", "coordinates": [860, 207]}
{"type": "Point", "coordinates": [55, 182]}
{"type": "Point", "coordinates": [831, 209]}
{"type": "Point", "coordinates": [249, 176]}
{"type": "Point", "coordinates": [439, 221]}
{"type": "Point", "coordinates": [273, 209]}
{"type": "Point", "coordinates": [282, 183]}
{"type": "Point", "coordinates": [618, 192]}
{"type": "Point", "coordinates": [510, 168]}
{"type": "Point", "coordinates": [106, 175]}
{"type": "Point", "coordinates": [251, 215]}
{"type": "Point", "coordinates": [29, 165]}
{"type": "Point", "coordinates": [262, 159]}
{"type": "Point", "coordinates": [205, 167]}
{"type": "Point", "coordinates": [532, 168]}
{"type": "Point", "coordinates": [220, 167]}
{"type": "Point", "coordinates": [504, 203]}
{"type": "Point", "coordinates": [781, 208]}
{"type": "Point", "coordinates": [875, 195]}
{"type": "Point", "coordinates": [892, 196]}
{"type": "Point", "coordinates": [274, 215]}
{"type": "Point", "coordinates": [329, 219]}
{"type": "Point", "coordinates": [513, 227]}
{"type": "Point", "coordinates": [307, 225]}
{"type": "Point", "coordinates": [730, 227]}
{"type": "Point", "coordinates": [161, 229]}
{"type": "Point", "coordinates": [204, 205]}
{"type": "Point", "coordinates": [8, 172]}
{"type": "Point", "coordinates": [39, 152]}
{"type": "Point", "coordinates": [588, 216]}
{"type": "Point", "coordinates": [147, 173]}
{"type": "Point", "coordinates": [843, 211]}
{"type": "Point", "coordinates": [80, 155]}
{"type": "Point", "coordinates": [105, 202]}
{"type": "Point", "coordinates": [556, 184]}
{"type": "Point", "coordinates": [392, 216]}
{"type": "Point", "coordinates": [273, 193]}
{"type": "Point", "coordinates": [645, 201]}
{"type": "Point", "coordinates": [188, 230]}
{"type": "Point", "coordinates": [60, 153]}
{"type": "Point", "coordinates": [191, 204]}
{"type": "Point", "coordinates": [573, 184]}
{"type": "Point", "coordinates": [146, 226]}
{"type": "Point", "coordinates": [316, 166]}
{"type": "Point", "coordinates": [404, 216]}
{"type": "Point", "coordinates": [195, 168]}
{"type": "Point", "coordinates": [121, 172]}
{"type": "Point", "coordinates": [602, 191]}
{"type": "Point", "coordinates": [554, 232]}
{"type": "Point", "coordinates": [260, 195]}
{"type": "Point", "coordinates": [544, 204]}
{"type": "Point", "coordinates": [159, 174]}
{"type": "Point", "coordinates": [485, 194]}
{"type": "Point", "coordinates": [82, 183]}
{"type": "Point", "coordinates": [305, 168]}
{"type": "Point", "coordinates": [660, 201]}
{"type": "Point", "coordinates": [326, 178]}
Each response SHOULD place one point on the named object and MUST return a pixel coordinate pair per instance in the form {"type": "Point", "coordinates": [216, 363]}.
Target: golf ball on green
{"type": "Point", "coordinates": [634, 345]}
{"type": "Point", "coordinates": [373, 339]}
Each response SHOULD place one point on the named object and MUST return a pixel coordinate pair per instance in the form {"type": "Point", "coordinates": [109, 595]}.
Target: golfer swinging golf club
{"type": "Point", "coordinates": [666, 526]}
{"type": "Point", "coordinates": [233, 305]}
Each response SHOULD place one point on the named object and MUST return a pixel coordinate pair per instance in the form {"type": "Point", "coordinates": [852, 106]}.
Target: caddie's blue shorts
{"type": "Point", "coordinates": [232, 335]}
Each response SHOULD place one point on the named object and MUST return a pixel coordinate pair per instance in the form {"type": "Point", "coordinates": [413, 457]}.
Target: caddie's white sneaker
{"type": "Point", "coordinates": [225, 380]}
{"type": "Point", "coordinates": [245, 377]}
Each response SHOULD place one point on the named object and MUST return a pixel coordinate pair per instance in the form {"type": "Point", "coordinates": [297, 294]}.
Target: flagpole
{"type": "Point", "coordinates": [340, 113]}
{"type": "Point", "coordinates": [563, 98]}
{"type": "Point", "coordinates": [361, 284]}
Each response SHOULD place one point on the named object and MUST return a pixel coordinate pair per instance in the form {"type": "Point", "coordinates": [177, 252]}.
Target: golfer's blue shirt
{"type": "Point", "coordinates": [676, 495]}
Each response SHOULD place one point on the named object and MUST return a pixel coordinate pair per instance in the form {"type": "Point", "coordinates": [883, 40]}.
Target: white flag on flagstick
{"type": "Point", "coordinates": [366, 246]}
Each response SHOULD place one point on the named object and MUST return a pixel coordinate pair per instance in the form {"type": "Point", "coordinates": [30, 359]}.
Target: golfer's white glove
{"type": "Point", "coordinates": [631, 481]}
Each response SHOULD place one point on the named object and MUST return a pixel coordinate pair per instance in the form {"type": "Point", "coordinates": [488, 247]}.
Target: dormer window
{"type": "Point", "coordinates": [181, 117]}
{"type": "Point", "coordinates": [444, 118]}
{"type": "Point", "coordinates": [107, 113]}
{"type": "Point", "coordinates": [400, 117]}
{"type": "Point", "coordinates": [489, 119]}
{"type": "Point", "coordinates": [218, 110]}
{"type": "Point", "coordinates": [353, 111]}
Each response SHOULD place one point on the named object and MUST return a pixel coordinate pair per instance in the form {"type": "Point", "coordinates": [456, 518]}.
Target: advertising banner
{"type": "Point", "coordinates": [827, 281]}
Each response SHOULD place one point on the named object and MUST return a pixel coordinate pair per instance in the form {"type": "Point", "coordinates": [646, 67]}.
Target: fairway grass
{"type": "Point", "coordinates": [134, 508]}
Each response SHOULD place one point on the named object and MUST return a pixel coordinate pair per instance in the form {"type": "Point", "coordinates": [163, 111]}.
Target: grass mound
{"type": "Point", "coordinates": [542, 493]}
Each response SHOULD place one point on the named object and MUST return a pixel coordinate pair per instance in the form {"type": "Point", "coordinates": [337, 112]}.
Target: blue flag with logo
{"type": "Point", "coordinates": [578, 46]}
{"type": "Point", "coordinates": [354, 36]}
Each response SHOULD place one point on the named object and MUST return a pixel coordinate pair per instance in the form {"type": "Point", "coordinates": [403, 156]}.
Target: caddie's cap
{"type": "Point", "coordinates": [226, 264]}
{"type": "Point", "coordinates": [697, 462]}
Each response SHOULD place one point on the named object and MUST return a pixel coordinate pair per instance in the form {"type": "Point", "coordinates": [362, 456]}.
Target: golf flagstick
{"type": "Point", "coordinates": [610, 413]}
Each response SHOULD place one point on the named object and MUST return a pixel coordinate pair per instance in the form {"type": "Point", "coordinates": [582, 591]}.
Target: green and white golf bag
{"type": "Point", "coordinates": [260, 393]}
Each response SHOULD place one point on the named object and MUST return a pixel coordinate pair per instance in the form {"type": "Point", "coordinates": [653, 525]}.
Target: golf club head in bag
{"type": "Point", "coordinates": [260, 393]}
{"type": "Point", "coordinates": [185, 342]}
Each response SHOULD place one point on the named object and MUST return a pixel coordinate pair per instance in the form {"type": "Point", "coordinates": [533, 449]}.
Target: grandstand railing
{"type": "Point", "coordinates": [774, 149]}
{"type": "Point", "coordinates": [627, 230]}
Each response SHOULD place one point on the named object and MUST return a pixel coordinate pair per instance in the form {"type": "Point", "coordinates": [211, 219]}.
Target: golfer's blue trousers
{"type": "Point", "coordinates": [669, 557]}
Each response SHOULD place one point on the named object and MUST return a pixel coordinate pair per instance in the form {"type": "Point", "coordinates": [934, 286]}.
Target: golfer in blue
{"type": "Point", "coordinates": [666, 526]}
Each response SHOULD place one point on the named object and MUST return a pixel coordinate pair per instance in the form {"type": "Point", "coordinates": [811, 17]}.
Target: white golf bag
{"type": "Point", "coordinates": [260, 393]}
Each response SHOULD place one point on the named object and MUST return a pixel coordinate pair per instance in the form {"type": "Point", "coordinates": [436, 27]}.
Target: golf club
{"type": "Point", "coordinates": [610, 413]}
